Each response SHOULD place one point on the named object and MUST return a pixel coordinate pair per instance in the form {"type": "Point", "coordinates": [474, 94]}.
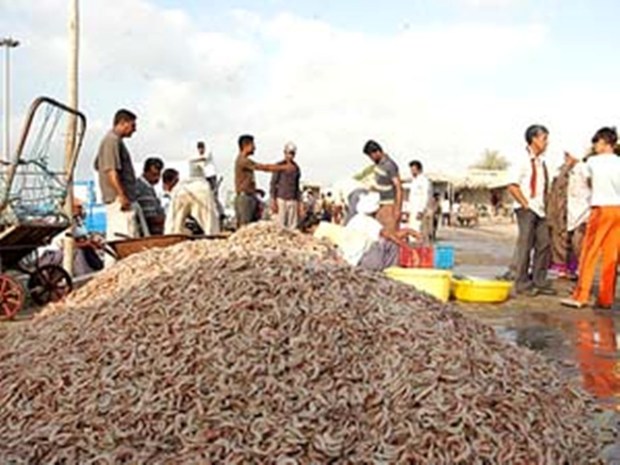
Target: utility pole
{"type": "Point", "coordinates": [8, 43]}
{"type": "Point", "coordinates": [72, 101]}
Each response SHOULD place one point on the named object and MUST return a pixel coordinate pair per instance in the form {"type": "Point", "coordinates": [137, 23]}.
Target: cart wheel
{"type": "Point", "coordinates": [12, 296]}
{"type": "Point", "coordinates": [50, 283]}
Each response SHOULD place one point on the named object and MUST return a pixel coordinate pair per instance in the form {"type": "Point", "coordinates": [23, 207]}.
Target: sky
{"type": "Point", "coordinates": [439, 81]}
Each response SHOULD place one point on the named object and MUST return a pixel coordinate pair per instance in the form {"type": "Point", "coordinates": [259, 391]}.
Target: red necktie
{"type": "Point", "coordinates": [533, 179]}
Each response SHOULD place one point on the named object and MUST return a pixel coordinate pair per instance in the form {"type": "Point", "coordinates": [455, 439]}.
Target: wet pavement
{"type": "Point", "coordinates": [585, 344]}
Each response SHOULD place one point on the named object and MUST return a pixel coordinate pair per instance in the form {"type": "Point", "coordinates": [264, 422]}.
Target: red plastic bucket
{"type": "Point", "coordinates": [416, 257]}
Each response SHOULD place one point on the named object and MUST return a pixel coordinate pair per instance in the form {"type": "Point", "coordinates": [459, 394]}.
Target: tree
{"type": "Point", "coordinates": [491, 160]}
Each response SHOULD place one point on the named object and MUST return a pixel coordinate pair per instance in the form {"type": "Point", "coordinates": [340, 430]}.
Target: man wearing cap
{"type": "Point", "coordinates": [388, 184]}
{"type": "Point", "coordinates": [285, 191]}
{"type": "Point", "coordinates": [246, 203]}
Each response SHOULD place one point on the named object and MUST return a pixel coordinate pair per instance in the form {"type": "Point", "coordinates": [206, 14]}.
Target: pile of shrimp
{"type": "Point", "coordinates": [267, 348]}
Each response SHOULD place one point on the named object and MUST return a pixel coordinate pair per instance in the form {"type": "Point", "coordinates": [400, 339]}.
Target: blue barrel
{"type": "Point", "coordinates": [444, 257]}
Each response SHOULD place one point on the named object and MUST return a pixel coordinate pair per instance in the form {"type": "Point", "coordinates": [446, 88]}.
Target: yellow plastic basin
{"type": "Point", "coordinates": [481, 290]}
{"type": "Point", "coordinates": [433, 282]}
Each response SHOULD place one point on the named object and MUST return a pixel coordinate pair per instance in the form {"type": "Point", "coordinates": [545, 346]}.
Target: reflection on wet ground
{"type": "Point", "coordinates": [588, 339]}
{"type": "Point", "coordinates": [584, 343]}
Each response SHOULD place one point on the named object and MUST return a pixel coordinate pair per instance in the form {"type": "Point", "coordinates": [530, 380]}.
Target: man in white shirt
{"type": "Point", "coordinates": [192, 197]}
{"type": "Point", "coordinates": [364, 241]}
{"type": "Point", "coordinates": [603, 231]}
{"type": "Point", "coordinates": [204, 166]}
{"type": "Point", "coordinates": [446, 211]}
{"type": "Point", "coordinates": [529, 181]}
{"type": "Point", "coordinates": [169, 180]}
{"type": "Point", "coordinates": [420, 193]}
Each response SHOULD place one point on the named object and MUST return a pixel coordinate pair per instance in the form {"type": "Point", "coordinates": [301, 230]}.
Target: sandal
{"type": "Point", "coordinates": [572, 303]}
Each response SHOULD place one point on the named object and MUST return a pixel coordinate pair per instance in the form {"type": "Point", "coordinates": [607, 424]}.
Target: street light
{"type": "Point", "coordinates": [8, 43]}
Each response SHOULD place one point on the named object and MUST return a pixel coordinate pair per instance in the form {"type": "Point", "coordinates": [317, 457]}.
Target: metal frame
{"type": "Point", "coordinates": [69, 167]}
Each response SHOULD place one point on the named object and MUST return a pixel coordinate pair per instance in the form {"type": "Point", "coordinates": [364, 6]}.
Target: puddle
{"type": "Point", "coordinates": [584, 343]}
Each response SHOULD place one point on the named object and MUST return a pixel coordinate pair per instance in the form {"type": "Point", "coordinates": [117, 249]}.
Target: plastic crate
{"type": "Point", "coordinates": [416, 257]}
{"type": "Point", "coordinates": [443, 257]}
{"type": "Point", "coordinates": [96, 219]}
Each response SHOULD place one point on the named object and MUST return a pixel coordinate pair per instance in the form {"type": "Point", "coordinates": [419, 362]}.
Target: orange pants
{"type": "Point", "coordinates": [602, 238]}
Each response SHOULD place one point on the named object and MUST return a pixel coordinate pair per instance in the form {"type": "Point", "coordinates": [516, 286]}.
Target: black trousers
{"type": "Point", "coordinates": [533, 235]}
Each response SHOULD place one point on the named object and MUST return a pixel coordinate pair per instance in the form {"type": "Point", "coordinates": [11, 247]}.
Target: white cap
{"type": "Point", "coordinates": [368, 203]}
{"type": "Point", "coordinates": [290, 147]}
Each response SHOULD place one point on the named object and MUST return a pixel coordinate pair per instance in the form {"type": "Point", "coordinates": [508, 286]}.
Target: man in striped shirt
{"type": "Point", "coordinates": [147, 197]}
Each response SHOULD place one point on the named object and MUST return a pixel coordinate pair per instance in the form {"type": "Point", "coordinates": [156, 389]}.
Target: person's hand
{"type": "Point", "coordinates": [274, 207]}
{"type": "Point", "coordinates": [413, 234]}
{"type": "Point", "coordinates": [125, 203]}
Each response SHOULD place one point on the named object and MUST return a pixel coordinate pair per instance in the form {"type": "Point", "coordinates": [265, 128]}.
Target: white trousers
{"type": "Point", "coordinates": [192, 198]}
{"type": "Point", "coordinates": [288, 216]}
{"type": "Point", "coordinates": [122, 224]}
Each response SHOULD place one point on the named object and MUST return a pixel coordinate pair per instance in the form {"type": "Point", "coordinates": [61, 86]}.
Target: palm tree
{"type": "Point", "coordinates": [491, 160]}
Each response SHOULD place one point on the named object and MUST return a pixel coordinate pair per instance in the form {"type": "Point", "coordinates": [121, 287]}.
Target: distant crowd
{"type": "Point", "coordinates": [568, 221]}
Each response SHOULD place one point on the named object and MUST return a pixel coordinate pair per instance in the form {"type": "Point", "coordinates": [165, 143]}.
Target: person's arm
{"type": "Point", "coordinates": [587, 172]}
{"type": "Point", "coordinates": [398, 199]}
{"type": "Point", "coordinates": [298, 195]}
{"type": "Point", "coordinates": [515, 191]}
{"type": "Point", "coordinates": [109, 163]}
{"type": "Point", "coordinates": [115, 182]}
{"type": "Point", "coordinates": [406, 233]}
{"type": "Point", "coordinates": [82, 242]}
{"type": "Point", "coordinates": [273, 190]}
{"type": "Point", "coordinates": [516, 174]}
{"type": "Point", "coordinates": [271, 168]}
{"type": "Point", "coordinates": [399, 237]}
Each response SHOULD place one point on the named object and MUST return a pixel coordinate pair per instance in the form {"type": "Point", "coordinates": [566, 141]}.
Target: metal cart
{"type": "Point", "coordinates": [34, 186]}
